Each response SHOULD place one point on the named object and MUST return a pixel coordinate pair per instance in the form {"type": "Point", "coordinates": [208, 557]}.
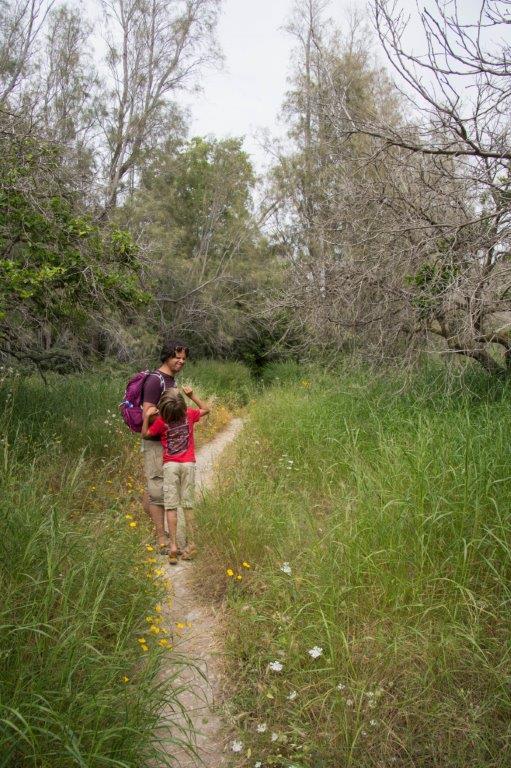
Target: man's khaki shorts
{"type": "Point", "coordinates": [179, 484]}
{"type": "Point", "coordinates": [153, 468]}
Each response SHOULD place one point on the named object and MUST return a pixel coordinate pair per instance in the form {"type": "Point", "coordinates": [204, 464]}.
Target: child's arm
{"type": "Point", "coordinates": [149, 416]}
{"type": "Point", "coordinates": [203, 407]}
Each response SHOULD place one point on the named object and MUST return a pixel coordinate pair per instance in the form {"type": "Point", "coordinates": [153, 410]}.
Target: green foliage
{"type": "Point", "coordinates": [231, 382]}
{"type": "Point", "coordinates": [59, 269]}
{"type": "Point", "coordinates": [432, 281]}
{"type": "Point", "coordinates": [390, 501]}
{"type": "Point", "coordinates": [75, 687]}
{"type": "Point", "coordinates": [209, 261]}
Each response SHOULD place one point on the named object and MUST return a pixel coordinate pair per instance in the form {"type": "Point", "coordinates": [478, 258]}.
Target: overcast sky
{"type": "Point", "coordinates": [245, 97]}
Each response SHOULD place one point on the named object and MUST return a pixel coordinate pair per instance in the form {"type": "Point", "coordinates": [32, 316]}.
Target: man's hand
{"type": "Point", "coordinates": [188, 391]}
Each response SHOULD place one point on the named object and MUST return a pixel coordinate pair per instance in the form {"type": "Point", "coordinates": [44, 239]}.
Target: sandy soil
{"type": "Point", "coordinates": [199, 642]}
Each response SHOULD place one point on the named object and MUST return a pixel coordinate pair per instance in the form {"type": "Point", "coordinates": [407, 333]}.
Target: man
{"type": "Point", "coordinates": [173, 358]}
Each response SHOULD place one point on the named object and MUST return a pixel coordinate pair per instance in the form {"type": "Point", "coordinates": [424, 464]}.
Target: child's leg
{"type": "Point", "coordinates": [172, 526]}
{"type": "Point", "coordinates": [171, 492]}
{"type": "Point", "coordinates": [188, 500]}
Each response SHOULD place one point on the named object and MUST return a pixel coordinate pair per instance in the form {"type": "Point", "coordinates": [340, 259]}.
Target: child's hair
{"type": "Point", "coordinates": [172, 406]}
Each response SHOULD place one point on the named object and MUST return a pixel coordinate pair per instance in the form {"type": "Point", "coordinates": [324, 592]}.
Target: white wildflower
{"type": "Point", "coordinates": [258, 764]}
{"type": "Point", "coordinates": [373, 723]}
{"type": "Point", "coordinates": [292, 696]}
{"type": "Point", "coordinates": [286, 568]}
{"type": "Point", "coordinates": [341, 687]}
{"type": "Point", "coordinates": [315, 652]}
{"type": "Point", "coordinates": [276, 666]}
{"type": "Point", "coordinates": [261, 728]}
{"type": "Point", "coordinates": [237, 746]}
{"type": "Point", "coordinates": [274, 736]}
{"type": "Point", "coordinates": [349, 702]}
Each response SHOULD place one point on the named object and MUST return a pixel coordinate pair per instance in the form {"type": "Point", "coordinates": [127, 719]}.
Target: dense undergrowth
{"type": "Point", "coordinates": [362, 534]}
{"type": "Point", "coordinates": [78, 577]}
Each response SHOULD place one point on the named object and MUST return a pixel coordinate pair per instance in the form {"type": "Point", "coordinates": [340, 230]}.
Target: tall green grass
{"type": "Point", "coordinates": [390, 502]}
{"type": "Point", "coordinates": [77, 583]}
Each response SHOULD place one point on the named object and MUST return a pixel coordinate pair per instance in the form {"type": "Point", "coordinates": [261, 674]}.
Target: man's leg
{"type": "Point", "coordinates": [153, 497]}
{"type": "Point", "coordinates": [156, 515]}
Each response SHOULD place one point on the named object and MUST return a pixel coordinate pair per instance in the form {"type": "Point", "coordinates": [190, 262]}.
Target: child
{"type": "Point", "coordinates": [173, 423]}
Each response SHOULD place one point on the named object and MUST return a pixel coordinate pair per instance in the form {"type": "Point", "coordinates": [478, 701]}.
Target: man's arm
{"type": "Point", "coordinates": [203, 407]}
{"type": "Point", "coordinates": [150, 414]}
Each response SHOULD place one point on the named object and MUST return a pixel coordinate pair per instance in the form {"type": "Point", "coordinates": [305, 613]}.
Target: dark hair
{"type": "Point", "coordinates": [172, 406]}
{"type": "Point", "coordinates": [170, 347]}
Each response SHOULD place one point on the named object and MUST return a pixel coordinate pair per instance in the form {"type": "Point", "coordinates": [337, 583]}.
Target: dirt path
{"type": "Point", "coordinates": [198, 641]}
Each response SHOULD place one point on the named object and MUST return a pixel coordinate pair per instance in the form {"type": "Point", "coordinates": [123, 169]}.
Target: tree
{"type": "Point", "coordinates": [321, 206]}
{"type": "Point", "coordinates": [206, 260]}
{"type": "Point", "coordinates": [155, 47]}
{"type": "Point", "coordinates": [61, 274]}
{"type": "Point", "coordinates": [21, 21]}
{"type": "Point", "coordinates": [455, 150]}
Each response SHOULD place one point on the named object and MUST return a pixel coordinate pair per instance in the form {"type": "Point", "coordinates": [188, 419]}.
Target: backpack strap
{"type": "Point", "coordinates": [162, 380]}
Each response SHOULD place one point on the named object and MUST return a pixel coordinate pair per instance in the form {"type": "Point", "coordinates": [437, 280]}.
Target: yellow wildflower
{"type": "Point", "coordinates": [157, 608]}
{"type": "Point", "coordinates": [158, 572]}
{"type": "Point", "coordinates": [164, 643]}
{"type": "Point", "coordinates": [149, 548]}
{"type": "Point", "coordinates": [128, 517]}
{"type": "Point", "coordinates": [150, 560]}
{"type": "Point", "coordinates": [145, 648]}
{"type": "Point", "coordinates": [154, 629]}
{"type": "Point", "coordinates": [149, 619]}
{"type": "Point", "coordinates": [180, 625]}
{"type": "Point", "coordinates": [245, 564]}
{"type": "Point", "coordinates": [133, 524]}
{"type": "Point", "coordinates": [239, 577]}
{"type": "Point", "coordinates": [230, 572]}
{"type": "Point", "coordinates": [141, 640]}
{"type": "Point", "coordinates": [125, 679]}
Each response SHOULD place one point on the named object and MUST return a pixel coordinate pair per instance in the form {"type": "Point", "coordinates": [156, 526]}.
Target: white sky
{"type": "Point", "coordinates": [245, 98]}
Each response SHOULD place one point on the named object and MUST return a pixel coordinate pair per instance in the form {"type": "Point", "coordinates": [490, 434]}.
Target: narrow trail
{"type": "Point", "coordinates": [199, 642]}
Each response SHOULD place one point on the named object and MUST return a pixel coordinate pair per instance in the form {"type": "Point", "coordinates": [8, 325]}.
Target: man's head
{"type": "Point", "coordinates": [174, 354]}
{"type": "Point", "coordinates": [172, 406]}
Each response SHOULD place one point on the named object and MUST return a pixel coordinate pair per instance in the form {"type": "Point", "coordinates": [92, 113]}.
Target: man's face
{"type": "Point", "coordinates": [177, 362]}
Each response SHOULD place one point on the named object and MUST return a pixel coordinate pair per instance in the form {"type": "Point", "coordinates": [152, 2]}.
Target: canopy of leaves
{"type": "Point", "coordinates": [59, 270]}
{"type": "Point", "coordinates": [206, 258]}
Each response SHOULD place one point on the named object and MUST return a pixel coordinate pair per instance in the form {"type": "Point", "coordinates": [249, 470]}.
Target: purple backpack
{"type": "Point", "coordinates": [131, 406]}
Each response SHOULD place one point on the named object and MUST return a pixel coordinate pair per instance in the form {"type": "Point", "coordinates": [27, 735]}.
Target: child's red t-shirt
{"type": "Point", "coordinates": [176, 439]}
